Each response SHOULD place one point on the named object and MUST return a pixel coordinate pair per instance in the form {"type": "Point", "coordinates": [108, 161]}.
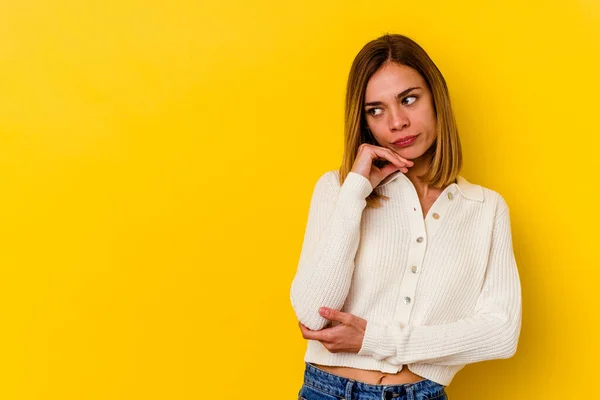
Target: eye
{"type": "Point", "coordinates": [414, 97]}
{"type": "Point", "coordinates": [371, 111]}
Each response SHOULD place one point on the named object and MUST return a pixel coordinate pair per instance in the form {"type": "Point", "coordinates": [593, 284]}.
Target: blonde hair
{"type": "Point", "coordinates": [446, 153]}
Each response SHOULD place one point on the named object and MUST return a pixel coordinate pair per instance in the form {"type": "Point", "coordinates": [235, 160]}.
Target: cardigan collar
{"type": "Point", "coordinates": [466, 189]}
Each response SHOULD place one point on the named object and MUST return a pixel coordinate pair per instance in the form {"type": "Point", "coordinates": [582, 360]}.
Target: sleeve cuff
{"type": "Point", "coordinates": [382, 341]}
{"type": "Point", "coordinates": [371, 340]}
{"type": "Point", "coordinates": [355, 186]}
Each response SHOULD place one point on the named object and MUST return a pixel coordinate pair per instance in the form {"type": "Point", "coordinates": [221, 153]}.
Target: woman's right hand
{"type": "Point", "coordinates": [367, 153]}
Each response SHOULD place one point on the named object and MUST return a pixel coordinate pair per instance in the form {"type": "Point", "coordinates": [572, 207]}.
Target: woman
{"type": "Point", "coordinates": [407, 271]}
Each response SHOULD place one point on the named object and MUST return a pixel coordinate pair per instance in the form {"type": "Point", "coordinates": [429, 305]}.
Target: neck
{"type": "Point", "coordinates": [422, 164]}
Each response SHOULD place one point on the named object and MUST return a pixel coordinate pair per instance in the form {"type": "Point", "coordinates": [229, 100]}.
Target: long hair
{"type": "Point", "coordinates": [446, 153]}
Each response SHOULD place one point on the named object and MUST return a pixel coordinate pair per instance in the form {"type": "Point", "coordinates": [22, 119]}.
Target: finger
{"type": "Point", "coordinates": [335, 315]}
{"type": "Point", "coordinates": [310, 334]}
{"type": "Point", "coordinates": [389, 155]}
{"type": "Point", "coordinates": [405, 160]}
{"type": "Point", "coordinates": [391, 168]}
{"type": "Point", "coordinates": [377, 150]}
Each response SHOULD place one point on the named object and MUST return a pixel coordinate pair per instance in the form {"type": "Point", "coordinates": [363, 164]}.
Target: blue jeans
{"type": "Point", "coordinates": [321, 385]}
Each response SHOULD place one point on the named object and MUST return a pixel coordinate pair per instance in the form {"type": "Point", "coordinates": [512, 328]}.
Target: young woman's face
{"type": "Point", "coordinates": [399, 105]}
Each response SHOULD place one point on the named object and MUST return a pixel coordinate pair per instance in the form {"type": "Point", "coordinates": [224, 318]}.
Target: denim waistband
{"type": "Point", "coordinates": [350, 389]}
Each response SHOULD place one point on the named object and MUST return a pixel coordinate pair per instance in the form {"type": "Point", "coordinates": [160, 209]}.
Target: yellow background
{"type": "Point", "coordinates": [158, 159]}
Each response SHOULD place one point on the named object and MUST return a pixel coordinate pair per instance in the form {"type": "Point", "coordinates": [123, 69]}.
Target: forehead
{"type": "Point", "coordinates": [391, 79]}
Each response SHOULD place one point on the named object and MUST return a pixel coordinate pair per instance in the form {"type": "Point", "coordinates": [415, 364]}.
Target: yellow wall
{"type": "Point", "coordinates": [157, 163]}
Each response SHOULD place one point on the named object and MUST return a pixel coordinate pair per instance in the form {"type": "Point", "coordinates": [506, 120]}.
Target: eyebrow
{"type": "Point", "coordinates": [378, 103]}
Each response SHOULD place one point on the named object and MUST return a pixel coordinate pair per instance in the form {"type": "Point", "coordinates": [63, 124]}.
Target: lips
{"type": "Point", "coordinates": [405, 139]}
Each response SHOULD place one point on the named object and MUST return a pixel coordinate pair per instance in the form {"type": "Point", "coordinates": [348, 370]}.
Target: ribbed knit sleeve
{"type": "Point", "coordinates": [330, 243]}
{"type": "Point", "coordinates": [491, 332]}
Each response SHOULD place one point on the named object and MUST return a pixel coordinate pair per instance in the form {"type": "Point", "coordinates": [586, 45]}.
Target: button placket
{"type": "Point", "coordinates": [419, 234]}
{"type": "Point", "coordinates": [438, 211]}
{"type": "Point", "coordinates": [421, 229]}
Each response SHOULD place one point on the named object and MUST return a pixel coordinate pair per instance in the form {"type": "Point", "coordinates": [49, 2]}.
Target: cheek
{"type": "Point", "coordinates": [374, 126]}
{"type": "Point", "coordinates": [427, 122]}
{"type": "Point", "coordinates": [380, 124]}
{"type": "Point", "coordinates": [378, 130]}
{"type": "Point", "coordinates": [432, 118]}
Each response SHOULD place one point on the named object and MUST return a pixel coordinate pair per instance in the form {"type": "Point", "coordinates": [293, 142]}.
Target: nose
{"type": "Point", "coordinates": [398, 119]}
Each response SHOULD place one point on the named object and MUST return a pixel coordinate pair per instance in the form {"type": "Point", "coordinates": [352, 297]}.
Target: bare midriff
{"type": "Point", "coordinates": [373, 377]}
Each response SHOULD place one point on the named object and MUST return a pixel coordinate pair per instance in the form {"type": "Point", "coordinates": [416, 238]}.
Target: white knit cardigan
{"type": "Point", "coordinates": [437, 292]}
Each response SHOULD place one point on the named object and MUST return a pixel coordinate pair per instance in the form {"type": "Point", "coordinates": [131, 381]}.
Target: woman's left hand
{"type": "Point", "coordinates": [347, 336]}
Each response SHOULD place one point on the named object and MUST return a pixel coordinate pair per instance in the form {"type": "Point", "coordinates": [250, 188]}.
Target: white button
{"type": "Point", "coordinates": [419, 239]}
{"type": "Point", "coordinates": [414, 269]}
{"type": "Point", "coordinates": [450, 196]}
{"type": "Point", "coordinates": [407, 300]}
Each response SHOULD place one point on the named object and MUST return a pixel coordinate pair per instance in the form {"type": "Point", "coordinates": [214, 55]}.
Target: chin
{"type": "Point", "coordinates": [409, 153]}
